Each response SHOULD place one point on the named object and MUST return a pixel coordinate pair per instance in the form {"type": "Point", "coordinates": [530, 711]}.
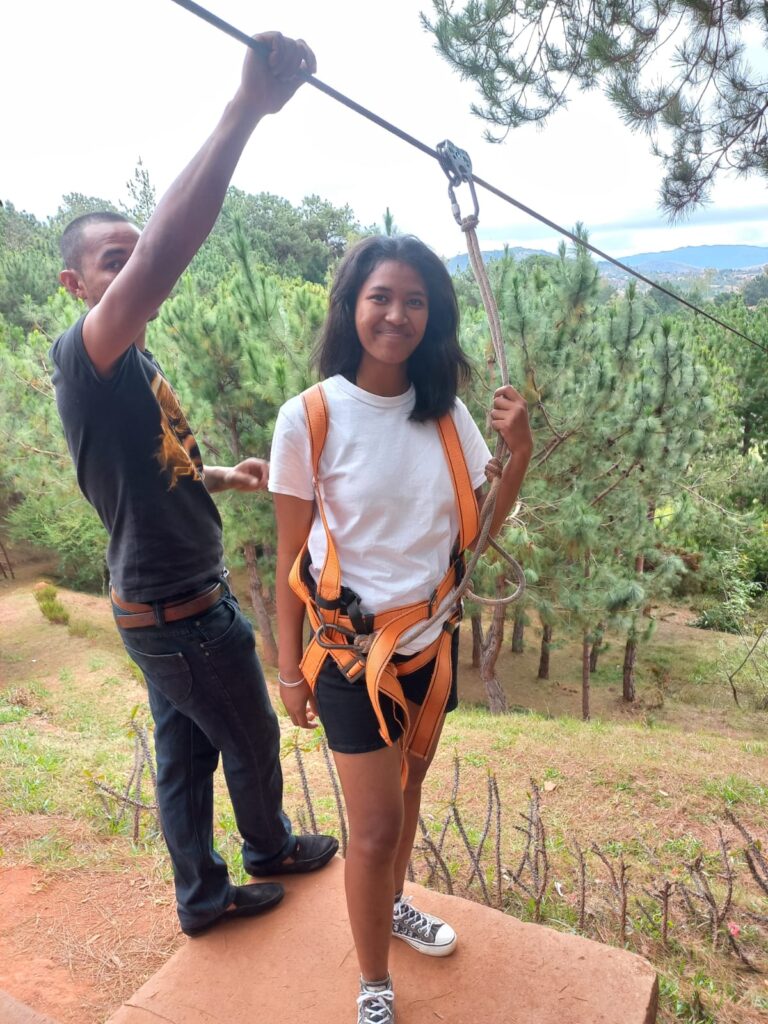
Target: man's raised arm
{"type": "Point", "coordinates": [188, 210]}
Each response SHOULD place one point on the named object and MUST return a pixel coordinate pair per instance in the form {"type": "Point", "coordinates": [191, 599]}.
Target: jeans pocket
{"type": "Point", "coordinates": [168, 673]}
{"type": "Point", "coordinates": [229, 630]}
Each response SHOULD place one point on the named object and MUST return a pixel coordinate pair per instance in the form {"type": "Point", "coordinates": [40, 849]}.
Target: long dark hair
{"type": "Point", "coordinates": [438, 366]}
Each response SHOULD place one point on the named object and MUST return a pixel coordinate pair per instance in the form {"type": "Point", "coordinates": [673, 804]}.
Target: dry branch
{"type": "Point", "coordinates": [619, 886]}
{"type": "Point", "coordinates": [756, 862]}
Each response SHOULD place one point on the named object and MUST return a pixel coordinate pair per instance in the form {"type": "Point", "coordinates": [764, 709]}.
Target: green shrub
{"type": "Point", "coordinates": [47, 599]}
{"type": "Point", "coordinates": [731, 572]}
{"type": "Point", "coordinates": [756, 555]}
{"type": "Point", "coordinates": [79, 627]}
{"type": "Point", "coordinates": [60, 520]}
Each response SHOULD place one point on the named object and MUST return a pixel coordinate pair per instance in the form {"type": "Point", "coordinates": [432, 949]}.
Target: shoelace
{"type": "Point", "coordinates": [414, 918]}
{"type": "Point", "coordinates": [376, 1006]}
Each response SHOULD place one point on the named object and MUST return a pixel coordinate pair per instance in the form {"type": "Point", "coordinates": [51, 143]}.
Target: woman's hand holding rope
{"type": "Point", "coordinates": [509, 418]}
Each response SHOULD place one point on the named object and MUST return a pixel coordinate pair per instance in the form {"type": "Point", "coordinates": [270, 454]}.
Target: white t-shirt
{"type": "Point", "coordinates": [387, 492]}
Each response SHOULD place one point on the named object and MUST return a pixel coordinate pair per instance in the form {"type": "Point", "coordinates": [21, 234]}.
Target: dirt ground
{"type": "Point", "coordinates": [73, 943]}
{"type": "Point", "coordinates": [73, 946]}
{"type": "Point", "coordinates": [86, 917]}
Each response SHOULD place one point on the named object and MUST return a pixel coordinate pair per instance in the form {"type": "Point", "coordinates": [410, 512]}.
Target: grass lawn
{"type": "Point", "coordinates": [87, 914]}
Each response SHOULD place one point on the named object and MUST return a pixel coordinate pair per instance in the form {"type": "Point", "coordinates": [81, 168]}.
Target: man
{"type": "Point", "coordinates": [138, 464]}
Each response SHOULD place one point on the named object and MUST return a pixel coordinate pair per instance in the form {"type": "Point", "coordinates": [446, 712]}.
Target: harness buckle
{"type": "Point", "coordinates": [361, 622]}
{"type": "Point", "coordinates": [458, 168]}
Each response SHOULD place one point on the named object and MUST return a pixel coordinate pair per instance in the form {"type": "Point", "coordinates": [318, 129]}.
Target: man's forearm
{"type": "Point", "coordinates": [187, 212]}
{"type": "Point", "coordinates": [215, 478]}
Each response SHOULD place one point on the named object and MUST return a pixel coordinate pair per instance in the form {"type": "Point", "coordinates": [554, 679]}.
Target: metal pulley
{"type": "Point", "coordinates": [458, 168]}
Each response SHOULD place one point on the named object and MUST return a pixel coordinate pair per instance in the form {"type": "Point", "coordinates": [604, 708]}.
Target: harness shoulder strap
{"type": "Point", "coordinates": [469, 516]}
{"type": "Point", "coordinates": [316, 413]}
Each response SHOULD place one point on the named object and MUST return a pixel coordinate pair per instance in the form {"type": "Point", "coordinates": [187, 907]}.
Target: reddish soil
{"type": "Point", "coordinates": [74, 945]}
{"type": "Point", "coordinates": [74, 942]}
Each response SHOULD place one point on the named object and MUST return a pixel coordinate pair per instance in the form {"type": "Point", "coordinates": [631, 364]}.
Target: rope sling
{"type": "Point", "coordinates": [458, 168]}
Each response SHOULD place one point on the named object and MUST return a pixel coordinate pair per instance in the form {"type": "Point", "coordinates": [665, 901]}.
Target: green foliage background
{"type": "Point", "coordinates": [651, 425]}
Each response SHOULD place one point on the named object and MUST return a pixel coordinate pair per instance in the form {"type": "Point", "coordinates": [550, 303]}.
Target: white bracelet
{"type": "Point", "coordinates": [290, 685]}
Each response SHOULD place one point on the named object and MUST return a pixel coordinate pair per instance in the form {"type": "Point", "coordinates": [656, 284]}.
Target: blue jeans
{"type": "Point", "coordinates": [208, 696]}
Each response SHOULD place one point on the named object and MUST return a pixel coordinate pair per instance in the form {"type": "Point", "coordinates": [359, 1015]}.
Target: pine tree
{"type": "Point", "coordinates": [142, 193]}
{"type": "Point", "coordinates": [675, 68]}
{"type": "Point", "coordinates": [47, 508]}
{"type": "Point", "coordinates": [617, 406]}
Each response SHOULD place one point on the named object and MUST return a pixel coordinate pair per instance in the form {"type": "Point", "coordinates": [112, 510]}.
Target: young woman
{"type": "Point", "coordinates": [370, 520]}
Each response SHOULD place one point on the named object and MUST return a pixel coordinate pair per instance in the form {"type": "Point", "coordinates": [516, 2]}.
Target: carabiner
{"type": "Point", "coordinates": [328, 645]}
{"type": "Point", "coordinates": [458, 169]}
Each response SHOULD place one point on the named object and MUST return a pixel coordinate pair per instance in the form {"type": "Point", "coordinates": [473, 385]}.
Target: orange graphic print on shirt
{"type": "Point", "coordinates": [178, 453]}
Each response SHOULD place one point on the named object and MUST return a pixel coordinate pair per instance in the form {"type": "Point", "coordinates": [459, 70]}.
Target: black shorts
{"type": "Point", "coordinates": [350, 723]}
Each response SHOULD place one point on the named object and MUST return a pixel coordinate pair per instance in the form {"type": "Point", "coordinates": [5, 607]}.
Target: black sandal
{"type": "Point", "coordinates": [249, 901]}
{"type": "Point", "coordinates": [311, 853]}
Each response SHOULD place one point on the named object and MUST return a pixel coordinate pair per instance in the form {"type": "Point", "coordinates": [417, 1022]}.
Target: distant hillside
{"type": "Point", "coordinates": [690, 259]}
{"type": "Point", "coordinates": [693, 258]}
{"type": "Point", "coordinates": [461, 262]}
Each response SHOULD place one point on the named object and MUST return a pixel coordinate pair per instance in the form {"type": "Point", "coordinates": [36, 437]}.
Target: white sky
{"type": "Point", "coordinates": [89, 86]}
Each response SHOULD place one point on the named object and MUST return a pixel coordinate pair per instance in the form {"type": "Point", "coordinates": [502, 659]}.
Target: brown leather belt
{"type": "Point", "coordinates": [170, 611]}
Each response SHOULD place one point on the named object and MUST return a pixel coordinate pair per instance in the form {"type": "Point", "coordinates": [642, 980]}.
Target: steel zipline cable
{"type": "Point", "coordinates": [316, 83]}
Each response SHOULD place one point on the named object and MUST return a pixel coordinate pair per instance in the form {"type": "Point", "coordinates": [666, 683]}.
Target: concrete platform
{"type": "Point", "coordinates": [297, 965]}
{"type": "Point", "coordinates": [13, 1012]}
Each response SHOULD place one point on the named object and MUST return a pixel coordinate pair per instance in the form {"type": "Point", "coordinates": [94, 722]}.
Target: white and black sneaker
{"type": "Point", "coordinates": [376, 1003]}
{"type": "Point", "coordinates": [424, 932]}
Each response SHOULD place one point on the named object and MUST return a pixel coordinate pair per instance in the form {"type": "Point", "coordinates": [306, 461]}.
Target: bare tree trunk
{"type": "Point", "coordinates": [255, 587]}
{"type": "Point", "coordinates": [630, 649]}
{"type": "Point", "coordinates": [546, 641]}
{"type": "Point", "coordinates": [497, 702]}
{"type": "Point", "coordinates": [597, 646]}
{"type": "Point", "coordinates": [518, 632]}
{"type": "Point", "coordinates": [585, 677]}
{"type": "Point", "coordinates": [630, 656]}
{"type": "Point", "coordinates": [477, 638]}
{"type": "Point", "coordinates": [585, 655]}
{"type": "Point", "coordinates": [640, 560]}
{"type": "Point", "coordinates": [7, 562]}
{"type": "Point", "coordinates": [256, 590]}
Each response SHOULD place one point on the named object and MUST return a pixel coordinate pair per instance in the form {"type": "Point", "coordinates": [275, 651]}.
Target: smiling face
{"type": "Point", "coordinates": [104, 251]}
{"type": "Point", "coordinates": [391, 315]}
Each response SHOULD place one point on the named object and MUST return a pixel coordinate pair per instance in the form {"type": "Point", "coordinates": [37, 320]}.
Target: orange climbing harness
{"type": "Point", "coordinates": [363, 645]}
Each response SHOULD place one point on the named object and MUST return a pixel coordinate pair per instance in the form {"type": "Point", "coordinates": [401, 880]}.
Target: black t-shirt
{"type": "Point", "coordinates": [139, 466]}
